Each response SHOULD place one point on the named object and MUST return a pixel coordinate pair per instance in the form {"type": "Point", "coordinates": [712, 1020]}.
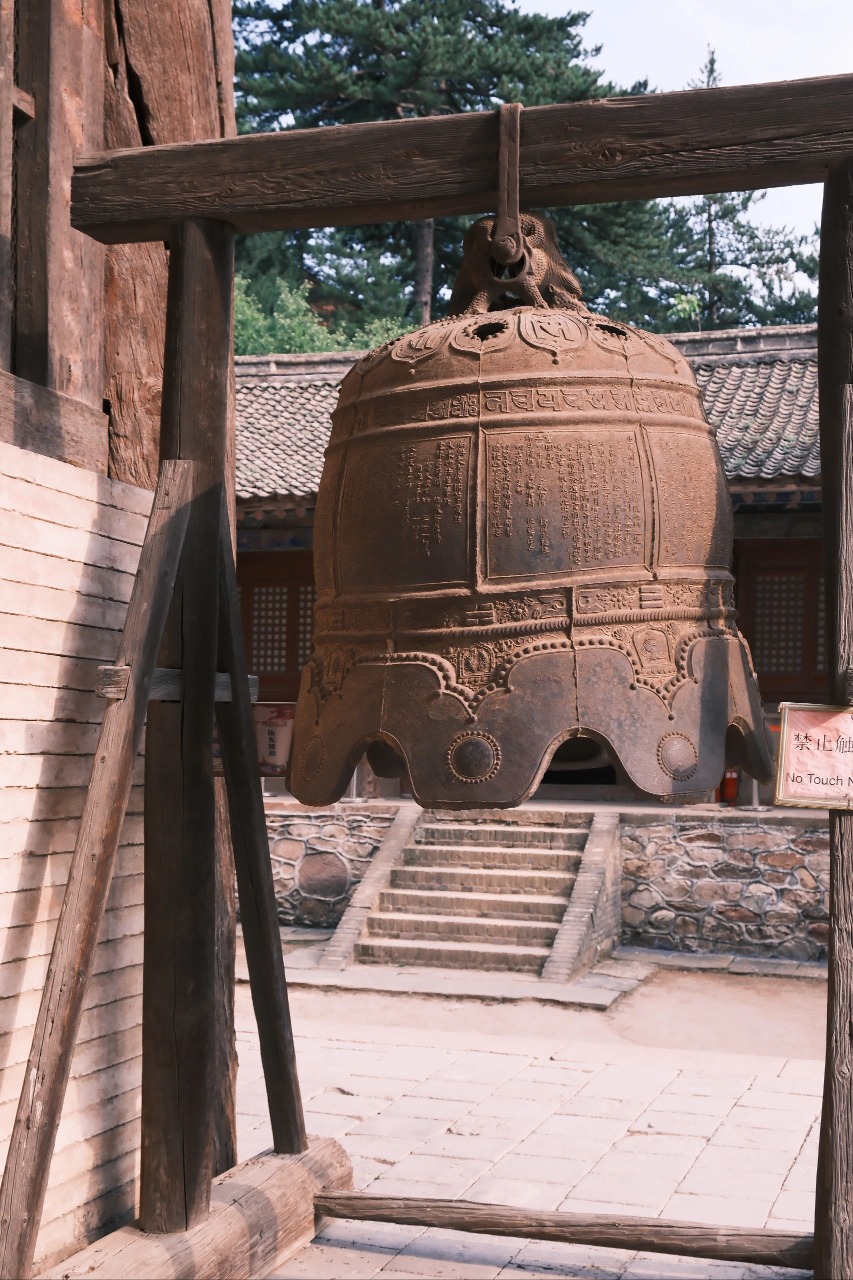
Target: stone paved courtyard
{"type": "Point", "coordinates": [557, 1109]}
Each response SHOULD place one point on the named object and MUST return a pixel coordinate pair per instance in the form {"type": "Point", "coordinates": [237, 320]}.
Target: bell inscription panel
{"type": "Point", "coordinates": [405, 512]}
{"type": "Point", "coordinates": [695, 518]}
{"type": "Point", "coordinates": [560, 502]}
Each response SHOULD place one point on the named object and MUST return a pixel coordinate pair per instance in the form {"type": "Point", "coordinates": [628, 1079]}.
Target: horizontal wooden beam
{"type": "Point", "coordinates": [166, 685]}
{"type": "Point", "coordinates": [689, 1239]}
{"type": "Point", "coordinates": [659, 144]}
{"type": "Point", "coordinates": [260, 1212]}
{"type": "Point", "coordinates": [48, 422]}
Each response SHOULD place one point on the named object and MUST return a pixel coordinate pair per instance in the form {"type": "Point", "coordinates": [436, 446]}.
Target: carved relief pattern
{"type": "Point", "coordinates": [657, 643]}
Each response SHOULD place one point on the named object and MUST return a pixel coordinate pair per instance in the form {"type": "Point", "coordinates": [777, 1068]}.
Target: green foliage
{"type": "Point", "coordinates": [666, 265]}
{"type": "Point", "coordinates": [294, 326]}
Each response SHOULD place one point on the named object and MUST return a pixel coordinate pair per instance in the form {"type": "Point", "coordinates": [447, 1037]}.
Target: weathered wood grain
{"type": "Point", "coordinates": [834, 1203]}
{"type": "Point", "coordinates": [47, 422]}
{"type": "Point", "coordinates": [613, 149]}
{"type": "Point", "coordinates": [59, 293]}
{"type": "Point", "coordinates": [179, 990]}
{"type": "Point", "coordinates": [692, 1239]}
{"type": "Point", "coordinates": [74, 952]}
{"type": "Point", "coordinates": [7, 103]}
{"type": "Point", "coordinates": [166, 686]}
{"type": "Point", "coordinates": [169, 78]}
{"type": "Point", "coordinates": [260, 1212]}
{"type": "Point", "coordinates": [258, 915]}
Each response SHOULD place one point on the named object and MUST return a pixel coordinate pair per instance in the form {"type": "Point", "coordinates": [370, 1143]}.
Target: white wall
{"type": "Point", "coordinates": [69, 545]}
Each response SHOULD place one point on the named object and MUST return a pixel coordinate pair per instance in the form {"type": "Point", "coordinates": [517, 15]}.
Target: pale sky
{"type": "Point", "coordinates": [666, 42]}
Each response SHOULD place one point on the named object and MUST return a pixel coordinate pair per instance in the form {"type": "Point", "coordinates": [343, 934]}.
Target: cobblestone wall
{"type": "Point", "coordinates": [320, 855]}
{"type": "Point", "coordinates": [755, 886]}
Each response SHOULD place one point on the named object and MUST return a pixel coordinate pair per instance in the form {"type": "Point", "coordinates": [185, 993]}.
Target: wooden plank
{"type": "Point", "coordinates": [260, 1211]}
{"type": "Point", "coordinates": [7, 103]}
{"type": "Point", "coordinates": [630, 148]}
{"type": "Point", "coordinates": [22, 565]}
{"type": "Point", "coordinates": [29, 941]}
{"type": "Point", "coordinates": [32, 906]}
{"type": "Point", "coordinates": [180, 869]}
{"type": "Point", "coordinates": [833, 1221]}
{"type": "Point", "coordinates": [20, 802]}
{"type": "Point", "coordinates": [59, 294]}
{"type": "Point", "coordinates": [49, 473]}
{"type": "Point", "coordinates": [47, 422]}
{"type": "Point", "coordinates": [692, 1239]}
{"type": "Point", "coordinates": [167, 685]}
{"type": "Point", "coordinates": [20, 702]}
{"type": "Point", "coordinates": [54, 605]}
{"type": "Point", "coordinates": [70, 511]}
{"type": "Point", "coordinates": [74, 953]}
{"type": "Point", "coordinates": [105, 989]}
{"type": "Point", "coordinates": [84, 545]}
{"type": "Point", "coordinates": [29, 974]}
{"type": "Point", "coordinates": [20, 737]}
{"type": "Point", "coordinates": [57, 637]}
{"type": "Point", "coordinates": [258, 916]}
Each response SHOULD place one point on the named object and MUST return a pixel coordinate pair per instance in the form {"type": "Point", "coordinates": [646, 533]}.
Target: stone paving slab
{"type": "Point", "coordinates": [596, 1127]}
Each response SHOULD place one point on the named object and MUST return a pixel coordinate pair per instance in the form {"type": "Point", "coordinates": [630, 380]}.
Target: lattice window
{"type": "Point", "coordinates": [778, 623]}
{"type": "Point", "coordinates": [820, 626]}
{"type": "Point", "coordinates": [305, 624]}
{"type": "Point", "coordinates": [269, 629]}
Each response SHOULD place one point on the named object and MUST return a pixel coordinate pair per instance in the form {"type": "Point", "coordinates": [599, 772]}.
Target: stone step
{"type": "Point", "coordinates": [456, 928]}
{"type": "Point", "coordinates": [452, 955]}
{"type": "Point", "coordinates": [485, 855]}
{"type": "Point", "coordinates": [506, 906]}
{"type": "Point", "coordinates": [506, 834]}
{"type": "Point", "coordinates": [483, 879]}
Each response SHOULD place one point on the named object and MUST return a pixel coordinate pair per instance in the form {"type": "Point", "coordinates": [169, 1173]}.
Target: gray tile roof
{"type": "Point", "coordinates": [759, 387]}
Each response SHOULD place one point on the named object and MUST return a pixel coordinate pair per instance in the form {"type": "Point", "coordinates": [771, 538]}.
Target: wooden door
{"type": "Point", "coordinates": [277, 605]}
{"type": "Point", "coordinates": [781, 611]}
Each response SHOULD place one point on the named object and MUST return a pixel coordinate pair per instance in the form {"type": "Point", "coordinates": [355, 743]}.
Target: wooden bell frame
{"type": "Point", "coordinates": [183, 610]}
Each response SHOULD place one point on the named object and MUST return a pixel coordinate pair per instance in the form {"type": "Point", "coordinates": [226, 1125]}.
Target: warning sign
{"type": "Point", "coordinates": [815, 765]}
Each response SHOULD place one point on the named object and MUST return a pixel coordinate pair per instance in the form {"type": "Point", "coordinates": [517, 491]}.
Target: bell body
{"type": "Point", "coordinates": [523, 534]}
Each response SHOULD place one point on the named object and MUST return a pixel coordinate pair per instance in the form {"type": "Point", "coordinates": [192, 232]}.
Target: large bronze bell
{"type": "Point", "coordinates": [523, 535]}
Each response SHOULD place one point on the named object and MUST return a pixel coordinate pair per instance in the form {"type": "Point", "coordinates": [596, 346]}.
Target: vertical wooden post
{"type": "Point", "coordinates": [834, 1204]}
{"type": "Point", "coordinates": [179, 975]}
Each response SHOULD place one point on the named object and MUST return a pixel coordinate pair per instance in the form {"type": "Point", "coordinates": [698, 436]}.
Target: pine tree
{"type": "Point", "coordinates": [310, 63]}
{"type": "Point", "coordinates": [666, 265]}
{"type": "Point", "coordinates": [725, 271]}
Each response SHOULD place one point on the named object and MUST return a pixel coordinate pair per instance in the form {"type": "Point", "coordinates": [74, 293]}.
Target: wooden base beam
{"type": "Point", "coordinates": [260, 1212]}
{"type": "Point", "coordinates": [691, 1239]}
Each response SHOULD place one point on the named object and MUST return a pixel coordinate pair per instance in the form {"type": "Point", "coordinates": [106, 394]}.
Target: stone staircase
{"type": "Point", "coordinates": [477, 894]}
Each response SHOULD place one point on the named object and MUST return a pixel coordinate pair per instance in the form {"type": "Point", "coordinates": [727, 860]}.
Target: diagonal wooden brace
{"type": "Point", "coordinates": [254, 873]}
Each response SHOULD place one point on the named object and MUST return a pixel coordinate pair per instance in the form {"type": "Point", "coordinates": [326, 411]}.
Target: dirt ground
{"type": "Point", "coordinates": [723, 1013]}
